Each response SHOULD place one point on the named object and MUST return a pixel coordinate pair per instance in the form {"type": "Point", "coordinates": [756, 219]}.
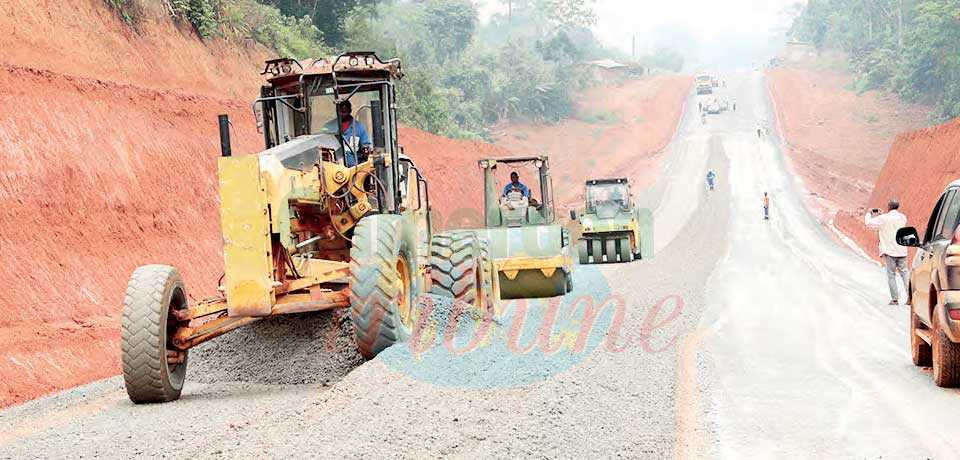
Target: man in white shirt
{"type": "Point", "coordinates": [894, 255]}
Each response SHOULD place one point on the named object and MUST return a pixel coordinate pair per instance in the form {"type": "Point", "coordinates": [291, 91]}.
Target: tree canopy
{"type": "Point", "coordinates": [905, 46]}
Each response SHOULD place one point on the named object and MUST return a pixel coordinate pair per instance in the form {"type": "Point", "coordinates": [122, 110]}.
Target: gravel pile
{"type": "Point", "coordinates": [315, 347]}
{"type": "Point", "coordinates": [304, 348]}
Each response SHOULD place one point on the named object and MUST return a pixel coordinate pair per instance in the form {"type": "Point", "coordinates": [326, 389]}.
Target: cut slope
{"type": "Point", "coordinates": [836, 140]}
{"type": "Point", "coordinates": [628, 127]}
{"type": "Point", "coordinates": [921, 163]}
{"type": "Point", "coordinates": [85, 38]}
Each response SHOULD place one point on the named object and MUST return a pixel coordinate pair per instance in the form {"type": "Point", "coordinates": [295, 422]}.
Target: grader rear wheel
{"type": "Point", "coordinates": [381, 299]}
{"type": "Point", "coordinates": [153, 370]}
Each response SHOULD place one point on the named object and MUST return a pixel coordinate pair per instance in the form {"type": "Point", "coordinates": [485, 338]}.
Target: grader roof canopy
{"type": "Point", "coordinates": [348, 66]}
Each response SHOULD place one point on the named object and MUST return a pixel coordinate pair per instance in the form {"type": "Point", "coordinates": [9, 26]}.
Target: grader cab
{"type": "Point", "coordinates": [330, 215]}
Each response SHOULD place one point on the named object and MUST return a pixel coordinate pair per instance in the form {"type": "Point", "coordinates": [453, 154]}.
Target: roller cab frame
{"type": "Point", "coordinates": [530, 250]}
{"type": "Point", "coordinates": [612, 228]}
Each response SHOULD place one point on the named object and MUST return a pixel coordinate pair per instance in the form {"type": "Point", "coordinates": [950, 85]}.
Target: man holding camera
{"type": "Point", "coordinates": [894, 255]}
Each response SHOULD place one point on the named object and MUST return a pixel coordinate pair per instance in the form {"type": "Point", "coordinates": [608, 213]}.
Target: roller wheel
{"type": "Point", "coordinates": [596, 251]}
{"type": "Point", "coordinates": [381, 298]}
{"type": "Point", "coordinates": [147, 328]}
{"type": "Point", "coordinates": [611, 249]}
{"type": "Point", "coordinates": [946, 356]}
{"type": "Point", "coordinates": [583, 252]}
{"type": "Point", "coordinates": [626, 250]}
{"type": "Point", "coordinates": [461, 268]}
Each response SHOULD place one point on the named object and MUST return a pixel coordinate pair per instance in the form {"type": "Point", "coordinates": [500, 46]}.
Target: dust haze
{"type": "Point", "coordinates": [710, 35]}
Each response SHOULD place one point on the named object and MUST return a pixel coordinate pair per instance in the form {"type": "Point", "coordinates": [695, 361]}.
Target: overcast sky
{"type": "Point", "coordinates": [619, 20]}
{"type": "Point", "coordinates": [698, 28]}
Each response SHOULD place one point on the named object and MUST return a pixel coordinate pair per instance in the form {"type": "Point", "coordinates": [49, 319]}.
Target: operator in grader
{"type": "Point", "coordinates": [327, 216]}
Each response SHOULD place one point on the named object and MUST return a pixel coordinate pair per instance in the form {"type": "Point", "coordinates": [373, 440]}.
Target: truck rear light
{"type": "Point", "coordinates": [954, 315]}
{"type": "Point", "coordinates": [953, 250]}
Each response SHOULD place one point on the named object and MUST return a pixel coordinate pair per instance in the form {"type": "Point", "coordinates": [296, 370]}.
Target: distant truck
{"type": "Point", "coordinates": [704, 84]}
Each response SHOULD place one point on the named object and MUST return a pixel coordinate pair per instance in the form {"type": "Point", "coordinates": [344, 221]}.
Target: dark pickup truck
{"type": "Point", "coordinates": [935, 290]}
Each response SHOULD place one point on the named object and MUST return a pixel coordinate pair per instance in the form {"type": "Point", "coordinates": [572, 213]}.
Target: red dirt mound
{"type": "Point", "coordinates": [920, 165]}
{"type": "Point", "coordinates": [621, 131]}
{"type": "Point", "coordinates": [837, 141]}
{"type": "Point", "coordinates": [97, 178]}
{"type": "Point", "coordinates": [85, 38]}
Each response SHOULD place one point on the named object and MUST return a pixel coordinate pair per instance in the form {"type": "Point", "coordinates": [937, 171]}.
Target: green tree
{"type": "Point", "coordinates": [330, 16]}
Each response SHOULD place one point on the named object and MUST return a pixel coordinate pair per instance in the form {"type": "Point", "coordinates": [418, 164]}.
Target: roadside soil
{"type": "Point", "coordinates": [619, 131]}
{"type": "Point", "coordinates": [836, 140]}
{"type": "Point", "coordinates": [921, 164]}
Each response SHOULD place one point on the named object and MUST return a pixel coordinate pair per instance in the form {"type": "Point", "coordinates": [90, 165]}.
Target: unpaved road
{"type": "Point", "coordinates": [744, 339]}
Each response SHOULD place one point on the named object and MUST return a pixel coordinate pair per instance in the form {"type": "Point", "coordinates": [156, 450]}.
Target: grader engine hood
{"type": "Point", "coordinates": [256, 192]}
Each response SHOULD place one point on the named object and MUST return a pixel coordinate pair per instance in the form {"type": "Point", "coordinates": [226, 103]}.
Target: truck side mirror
{"type": "Point", "coordinates": [573, 214]}
{"type": "Point", "coordinates": [907, 236]}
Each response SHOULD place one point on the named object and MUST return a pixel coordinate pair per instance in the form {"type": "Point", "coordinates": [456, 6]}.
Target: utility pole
{"type": "Point", "coordinates": [633, 49]}
{"type": "Point", "coordinates": [900, 24]}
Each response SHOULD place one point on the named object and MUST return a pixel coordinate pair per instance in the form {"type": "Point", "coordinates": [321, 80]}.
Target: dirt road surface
{"type": "Point", "coordinates": [741, 338]}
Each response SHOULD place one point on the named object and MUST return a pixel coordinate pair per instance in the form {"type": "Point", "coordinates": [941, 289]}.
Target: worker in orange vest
{"type": "Point", "coordinates": [766, 206]}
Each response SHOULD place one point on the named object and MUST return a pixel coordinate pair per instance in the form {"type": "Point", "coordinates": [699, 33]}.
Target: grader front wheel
{"type": "Point", "coordinates": [381, 299]}
{"type": "Point", "coordinates": [153, 370]}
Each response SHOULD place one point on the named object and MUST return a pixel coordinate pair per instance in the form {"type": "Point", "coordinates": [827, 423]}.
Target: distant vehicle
{"type": "Point", "coordinates": [612, 227]}
{"type": "Point", "coordinates": [713, 107]}
{"type": "Point", "coordinates": [935, 290]}
{"type": "Point", "coordinates": [704, 84]}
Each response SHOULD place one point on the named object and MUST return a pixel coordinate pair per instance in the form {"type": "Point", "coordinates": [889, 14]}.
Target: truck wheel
{"type": "Point", "coordinates": [582, 252]}
{"type": "Point", "coordinates": [611, 244]}
{"type": "Point", "coordinates": [946, 356]}
{"type": "Point", "coordinates": [146, 331]}
{"type": "Point", "coordinates": [459, 270]}
{"type": "Point", "coordinates": [921, 351]}
{"type": "Point", "coordinates": [381, 298]}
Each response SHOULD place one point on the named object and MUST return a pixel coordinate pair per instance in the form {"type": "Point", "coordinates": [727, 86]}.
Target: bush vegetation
{"type": "Point", "coordinates": [905, 46]}
{"type": "Point", "coordinates": [462, 76]}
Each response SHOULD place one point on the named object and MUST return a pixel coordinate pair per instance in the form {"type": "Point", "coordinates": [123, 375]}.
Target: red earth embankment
{"type": "Point", "coordinates": [627, 128]}
{"type": "Point", "coordinates": [837, 140]}
{"type": "Point", "coordinates": [96, 178]}
{"type": "Point", "coordinates": [921, 163]}
{"type": "Point", "coordinates": [108, 147]}
{"type": "Point", "coordinates": [85, 38]}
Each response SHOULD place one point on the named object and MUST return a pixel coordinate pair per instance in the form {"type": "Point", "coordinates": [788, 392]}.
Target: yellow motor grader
{"type": "Point", "coordinates": [330, 215]}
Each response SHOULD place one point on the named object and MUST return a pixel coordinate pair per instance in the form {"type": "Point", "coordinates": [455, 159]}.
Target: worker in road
{"type": "Point", "coordinates": [766, 206]}
{"type": "Point", "coordinates": [894, 255]}
{"type": "Point", "coordinates": [515, 185]}
{"type": "Point", "coordinates": [355, 135]}
{"type": "Point", "coordinates": [711, 176]}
